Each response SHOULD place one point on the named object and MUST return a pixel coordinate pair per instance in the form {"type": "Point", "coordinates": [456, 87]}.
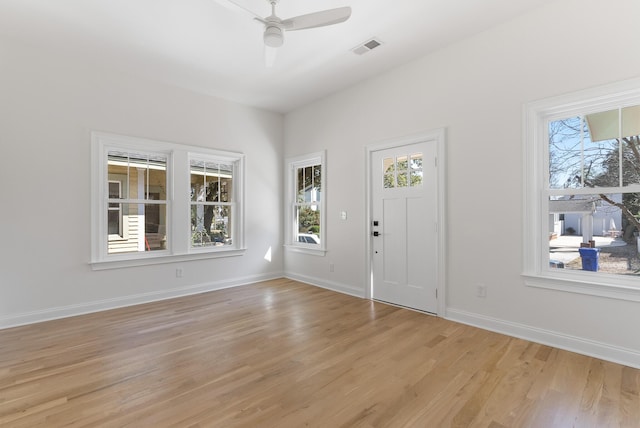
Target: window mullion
{"type": "Point", "coordinates": [146, 194]}
{"type": "Point", "coordinates": [582, 125]}
{"type": "Point", "coordinates": [620, 149]}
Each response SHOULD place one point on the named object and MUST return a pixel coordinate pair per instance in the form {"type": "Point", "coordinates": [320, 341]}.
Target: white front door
{"type": "Point", "coordinates": [404, 198]}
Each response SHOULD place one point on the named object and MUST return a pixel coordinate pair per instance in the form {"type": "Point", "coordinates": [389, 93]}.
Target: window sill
{"type": "Point", "coordinates": [162, 259]}
{"type": "Point", "coordinates": [304, 250]}
{"type": "Point", "coordinates": [582, 283]}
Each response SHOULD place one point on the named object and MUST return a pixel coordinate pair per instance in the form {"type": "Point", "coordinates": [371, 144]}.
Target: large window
{"type": "Point", "coordinates": [306, 218]}
{"type": "Point", "coordinates": [582, 201]}
{"type": "Point", "coordinates": [154, 200]}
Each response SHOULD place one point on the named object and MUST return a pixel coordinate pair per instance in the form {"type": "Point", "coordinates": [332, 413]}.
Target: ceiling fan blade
{"type": "Point", "coordinates": [317, 19]}
{"type": "Point", "coordinates": [232, 5]}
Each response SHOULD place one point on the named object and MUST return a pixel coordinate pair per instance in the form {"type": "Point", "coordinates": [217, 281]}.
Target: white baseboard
{"type": "Point", "coordinates": [603, 351]}
{"type": "Point", "coordinates": [136, 299]}
{"type": "Point", "coordinates": [329, 285]}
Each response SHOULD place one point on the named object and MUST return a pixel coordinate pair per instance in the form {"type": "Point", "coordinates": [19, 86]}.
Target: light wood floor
{"type": "Point", "coordinates": [285, 354]}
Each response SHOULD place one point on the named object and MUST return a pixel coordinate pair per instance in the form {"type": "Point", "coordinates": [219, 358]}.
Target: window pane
{"type": "Point", "coordinates": [601, 151]}
{"type": "Point", "coordinates": [210, 225]}
{"type": "Point", "coordinates": [586, 220]}
{"type": "Point", "coordinates": [308, 220]}
{"type": "Point", "coordinates": [565, 153]}
{"type": "Point", "coordinates": [157, 184]}
{"type": "Point", "coordinates": [402, 171]}
{"type": "Point", "coordinates": [317, 186]}
{"type": "Point", "coordinates": [300, 185]}
{"type": "Point", "coordinates": [416, 169]}
{"type": "Point", "coordinates": [198, 180]}
{"type": "Point", "coordinates": [114, 219]}
{"type": "Point", "coordinates": [631, 121]}
{"type": "Point", "coordinates": [631, 145]}
{"type": "Point", "coordinates": [136, 227]}
{"type": "Point", "coordinates": [114, 189]}
{"type": "Point", "coordinates": [388, 167]}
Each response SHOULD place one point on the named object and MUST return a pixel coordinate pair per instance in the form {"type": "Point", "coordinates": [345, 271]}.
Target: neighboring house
{"type": "Point", "coordinates": [567, 212]}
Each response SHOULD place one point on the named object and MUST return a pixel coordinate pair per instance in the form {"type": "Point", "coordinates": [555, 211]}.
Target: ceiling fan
{"type": "Point", "coordinates": [274, 27]}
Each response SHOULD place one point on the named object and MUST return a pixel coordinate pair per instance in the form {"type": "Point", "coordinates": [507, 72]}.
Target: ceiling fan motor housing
{"type": "Point", "coordinates": [273, 36]}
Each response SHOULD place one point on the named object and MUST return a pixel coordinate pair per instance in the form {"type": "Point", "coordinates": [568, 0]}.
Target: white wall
{"type": "Point", "coordinates": [48, 107]}
{"type": "Point", "coordinates": [476, 89]}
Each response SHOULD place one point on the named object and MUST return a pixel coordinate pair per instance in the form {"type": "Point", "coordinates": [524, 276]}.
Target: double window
{"type": "Point", "coordinates": [155, 200]}
{"type": "Point", "coordinates": [305, 200]}
{"type": "Point", "coordinates": [582, 201]}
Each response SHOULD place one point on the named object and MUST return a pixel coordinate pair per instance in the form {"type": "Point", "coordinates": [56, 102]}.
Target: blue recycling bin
{"type": "Point", "coordinates": [590, 258]}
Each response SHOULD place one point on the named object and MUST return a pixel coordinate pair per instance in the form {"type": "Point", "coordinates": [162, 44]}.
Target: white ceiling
{"type": "Point", "coordinates": [202, 46]}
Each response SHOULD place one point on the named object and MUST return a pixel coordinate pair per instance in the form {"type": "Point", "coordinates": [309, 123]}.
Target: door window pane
{"type": "Point", "coordinates": [416, 169]}
{"type": "Point", "coordinates": [388, 167]}
{"type": "Point", "coordinates": [402, 171]}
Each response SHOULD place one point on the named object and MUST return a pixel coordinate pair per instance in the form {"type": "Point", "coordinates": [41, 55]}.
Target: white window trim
{"type": "Point", "coordinates": [178, 203]}
{"type": "Point", "coordinates": [290, 232]}
{"type": "Point", "coordinates": [536, 115]}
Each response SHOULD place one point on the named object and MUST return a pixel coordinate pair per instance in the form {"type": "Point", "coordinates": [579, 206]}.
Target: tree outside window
{"type": "Point", "coordinates": [306, 204]}
{"type": "Point", "coordinates": [593, 177]}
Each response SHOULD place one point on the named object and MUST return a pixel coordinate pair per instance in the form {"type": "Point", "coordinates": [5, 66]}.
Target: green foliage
{"type": "Point", "coordinates": [397, 174]}
{"type": "Point", "coordinates": [309, 220]}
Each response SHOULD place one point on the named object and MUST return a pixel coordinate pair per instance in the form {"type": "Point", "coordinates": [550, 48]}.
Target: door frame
{"type": "Point", "coordinates": [437, 135]}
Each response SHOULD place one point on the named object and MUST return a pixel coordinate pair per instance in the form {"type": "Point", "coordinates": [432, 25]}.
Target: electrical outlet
{"type": "Point", "coordinates": [178, 272]}
{"type": "Point", "coordinates": [481, 290]}
{"type": "Point", "coordinates": [331, 267]}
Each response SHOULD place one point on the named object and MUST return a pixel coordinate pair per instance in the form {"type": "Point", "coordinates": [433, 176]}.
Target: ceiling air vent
{"type": "Point", "coordinates": [367, 46]}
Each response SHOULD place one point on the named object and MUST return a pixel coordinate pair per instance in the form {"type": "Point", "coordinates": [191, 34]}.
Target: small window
{"type": "Point", "coordinates": [306, 217]}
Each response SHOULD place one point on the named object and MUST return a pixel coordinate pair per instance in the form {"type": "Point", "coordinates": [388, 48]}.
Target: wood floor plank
{"type": "Point", "coordinates": [284, 354]}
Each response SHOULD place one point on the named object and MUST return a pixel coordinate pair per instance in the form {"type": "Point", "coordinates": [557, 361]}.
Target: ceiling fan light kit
{"type": "Point", "coordinates": [273, 36]}
{"type": "Point", "coordinates": [274, 27]}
